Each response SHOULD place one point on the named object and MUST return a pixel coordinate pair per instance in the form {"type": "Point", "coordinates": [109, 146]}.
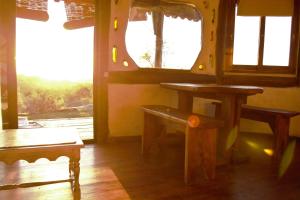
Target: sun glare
{"type": "Point", "coordinates": [47, 50]}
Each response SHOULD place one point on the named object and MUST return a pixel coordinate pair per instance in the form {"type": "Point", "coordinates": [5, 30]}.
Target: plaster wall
{"type": "Point", "coordinates": [125, 115]}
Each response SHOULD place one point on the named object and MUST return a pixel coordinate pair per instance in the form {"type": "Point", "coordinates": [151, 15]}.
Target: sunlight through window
{"type": "Point", "coordinates": [55, 71]}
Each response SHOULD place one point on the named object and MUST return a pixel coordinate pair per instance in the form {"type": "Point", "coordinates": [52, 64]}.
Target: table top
{"type": "Point", "coordinates": [214, 88]}
{"type": "Point", "coordinates": [22, 138]}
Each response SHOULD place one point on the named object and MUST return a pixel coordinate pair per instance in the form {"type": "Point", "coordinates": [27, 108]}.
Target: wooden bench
{"type": "Point", "coordinates": [278, 120]}
{"type": "Point", "coordinates": [200, 138]}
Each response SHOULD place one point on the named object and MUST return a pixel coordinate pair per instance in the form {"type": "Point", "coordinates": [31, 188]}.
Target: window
{"type": "Point", "coordinates": [262, 43]}
{"type": "Point", "coordinates": [155, 36]}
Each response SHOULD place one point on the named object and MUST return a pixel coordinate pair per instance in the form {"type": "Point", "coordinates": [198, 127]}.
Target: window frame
{"type": "Point", "coordinates": [229, 12]}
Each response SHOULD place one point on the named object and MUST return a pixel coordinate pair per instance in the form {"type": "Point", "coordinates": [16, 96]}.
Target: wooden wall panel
{"type": "Point", "coordinates": [100, 85]}
{"type": "Point", "coordinates": [8, 64]}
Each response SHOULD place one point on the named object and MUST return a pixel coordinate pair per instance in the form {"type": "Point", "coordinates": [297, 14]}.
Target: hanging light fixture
{"type": "Point", "coordinates": [32, 9]}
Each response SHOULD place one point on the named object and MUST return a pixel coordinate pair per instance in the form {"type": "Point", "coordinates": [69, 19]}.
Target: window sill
{"type": "Point", "coordinates": [261, 70]}
{"type": "Point", "coordinates": [153, 76]}
{"type": "Point", "coordinates": [261, 80]}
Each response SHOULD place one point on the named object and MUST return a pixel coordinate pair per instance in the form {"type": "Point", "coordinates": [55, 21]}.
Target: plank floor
{"type": "Point", "coordinates": [116, 171]}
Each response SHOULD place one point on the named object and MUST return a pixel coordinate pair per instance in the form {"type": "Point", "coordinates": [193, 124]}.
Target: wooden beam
{"type": "Point", "coordinates": [156, 76]}
{"type": "Point", "coordinates": [158, 24]}
{"type": "Point", "coordinates": [267, 81]}
{"type": "Point", "coordinates": [296, 27]}
{"type": "Point", "coordinates": [225, 22]}
{"type": "Point", "coordinates": [101, 57]}
{"type": "Point", "coordinates": [261, 42]}
{"type": "Point", "coordinates": [8, 64]}
{"type": "Point", "coordinates": [220, 46]}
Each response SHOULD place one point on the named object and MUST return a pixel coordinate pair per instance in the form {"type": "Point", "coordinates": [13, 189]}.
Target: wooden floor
{"type": "Point", "coordinates": [117, 171]}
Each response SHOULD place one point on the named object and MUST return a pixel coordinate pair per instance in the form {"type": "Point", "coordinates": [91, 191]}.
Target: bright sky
{"type": "Point", "coordinates": [276, 45]}
{"type": "Point", "coordinates": [47, 50]}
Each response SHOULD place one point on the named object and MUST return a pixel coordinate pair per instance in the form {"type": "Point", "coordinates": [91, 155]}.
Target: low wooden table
{"type": "Point", "coordinates": [49, 143]}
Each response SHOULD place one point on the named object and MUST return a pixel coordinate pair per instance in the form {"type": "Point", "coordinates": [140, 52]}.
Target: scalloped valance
{"type": "Point", "coordinates": [168, 8]}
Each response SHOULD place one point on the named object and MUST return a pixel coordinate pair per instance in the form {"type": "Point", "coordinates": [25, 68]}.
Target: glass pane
{"type": "Point", "coordinates": [140, 41]}
{"type": "Point", "coordinates": [179, 53]}
{"type": "Point", "coordinates": [162, 37]}
{"type": "Point", "coordinates": [246, 40]}
{"type": "Point", "coordinates": [277, 41]}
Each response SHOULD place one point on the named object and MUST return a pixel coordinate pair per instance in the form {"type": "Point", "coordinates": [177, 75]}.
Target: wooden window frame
{"type": "Point", "coordinates": [8, 68]}
{"type": "Point", "coordinates": [229, 12]}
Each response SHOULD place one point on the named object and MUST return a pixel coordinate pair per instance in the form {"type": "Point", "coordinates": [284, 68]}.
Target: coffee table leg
{"type": "Point", "coordinates": [76, 174]}
{"type": "Point", "coordinates": [71, 167]}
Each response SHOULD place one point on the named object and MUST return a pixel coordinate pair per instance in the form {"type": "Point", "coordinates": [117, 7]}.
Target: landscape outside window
{"type": "Point", "coordinates": [54, 72]}
{"type": "Point", "coordinates": [180, 49]}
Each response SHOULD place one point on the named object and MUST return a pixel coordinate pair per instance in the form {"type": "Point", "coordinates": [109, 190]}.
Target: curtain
{"type": "Point", "coordinates": [265, 7]}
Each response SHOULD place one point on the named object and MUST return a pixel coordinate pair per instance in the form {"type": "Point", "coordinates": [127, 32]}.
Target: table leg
{"type": "Point", "coordinates": [71, 167]}
{"type": "Point", "coordinates": [230, 112]}
{"type": "Point", "coordinates": [185, 102]}
{"type": "Point", "coordinates": [76, 174]}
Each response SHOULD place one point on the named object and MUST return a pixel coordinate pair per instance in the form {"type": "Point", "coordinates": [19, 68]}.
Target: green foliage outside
{"type": "Point", "coordinates": [41, 98]}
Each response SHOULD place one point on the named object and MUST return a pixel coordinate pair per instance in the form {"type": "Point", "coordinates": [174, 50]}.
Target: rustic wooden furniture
{"type": "Point", "coordinates": [50, 143]}
{"type": "Point", "coordinates": [200, 138]}
{"type": "Point", "coordinates": [278, 120]}
{"type": "Point", "coordinates": [232, 97]}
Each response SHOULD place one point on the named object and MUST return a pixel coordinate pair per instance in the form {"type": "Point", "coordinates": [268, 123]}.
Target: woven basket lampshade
{"type": "Point", "coordinates": [32, 9]}
{"type": "Point", "coordinates": [80, 13]}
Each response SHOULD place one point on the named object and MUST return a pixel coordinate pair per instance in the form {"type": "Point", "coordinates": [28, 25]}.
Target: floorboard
{"type": "Point", "coordinates": [117, 171]}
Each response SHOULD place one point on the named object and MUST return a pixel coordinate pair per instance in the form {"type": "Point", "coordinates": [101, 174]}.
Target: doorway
{"type": "Point", "coordinates": [54, 73]}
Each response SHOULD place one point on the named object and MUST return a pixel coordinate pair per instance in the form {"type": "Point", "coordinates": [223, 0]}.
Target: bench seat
{"type": "Point", "coordinates": [200, 138]}
{"type": "Point", "coordinates": [262, 114]}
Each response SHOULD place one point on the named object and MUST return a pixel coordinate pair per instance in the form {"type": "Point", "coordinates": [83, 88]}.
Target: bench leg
{"type": "Point", "coordinates": [208, 139]}
{"type": "Point", "coordinates": [152, 130]}
{"type": "Point", "coordinates": [280, 127]}
{"type": "Point", "coordinates": [200, 153]}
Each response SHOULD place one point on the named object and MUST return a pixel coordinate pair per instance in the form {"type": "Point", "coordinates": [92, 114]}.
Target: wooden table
{"type": "Point", "coordinates": [50, 143]}
{"type": "Point", "coordinates": [232, 98]}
